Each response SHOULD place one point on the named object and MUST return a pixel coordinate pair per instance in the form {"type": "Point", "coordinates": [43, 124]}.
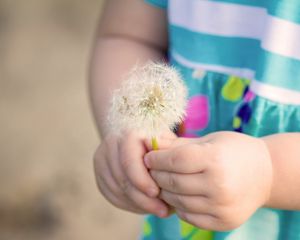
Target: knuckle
{"type": "Point", "coordinates": [140, 184]}
{"type": "Point", "coordinates": [183, 216]}
{"type": "Point", "coordinates": [173, 161]}
{"type": "Point", "coordinates": [153, 173]}
{"type": "Point", "coordinates": [172, 182]}
{"type": "Point", "coordinates": [223, 190]}
{"type": "Point", "coordinates": [99, 180]}
{"type": "Point", "coordinates": [181, 202]}
{"type": "Point", "coordinates": [125, 186]}
{"type": "Point", "coordinates": [130, 135]}
{"type": "Point", "coordinates": [175, 158]}
{"type": "Point", "coordinates": [187, 218]}
{"type": "Point", "coordinates": [186, 152]}
{"type": "Point", "coordinates": [117, 203]}
{"type": "Point", "coordinates": [125, 163]}
{"type": "Point", "coordinates": [108, 195]}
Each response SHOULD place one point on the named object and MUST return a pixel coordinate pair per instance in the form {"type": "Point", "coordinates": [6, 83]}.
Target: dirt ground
{"type": "Point", "coordinates": [47, 136]}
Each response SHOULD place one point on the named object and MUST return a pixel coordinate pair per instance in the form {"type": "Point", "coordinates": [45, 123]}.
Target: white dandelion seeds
{"type": "Point", "coordinates": [151, 100]}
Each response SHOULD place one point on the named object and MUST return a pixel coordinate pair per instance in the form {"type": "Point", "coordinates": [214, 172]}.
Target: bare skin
{"type": "Point", "coordinates": [138, 34]}
{"type": "Point", "coordinates": [218, 181]}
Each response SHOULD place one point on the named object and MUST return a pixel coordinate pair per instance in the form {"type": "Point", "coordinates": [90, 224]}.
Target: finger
{"type": "Point", "coordinates": [114, 167]}
{"type": "Point", "coordinates": [131, 153]}
{"type": "Point", "coordinates": [189, 158]}
{"type": "Point", "coordinates": [196, 204]}
{"type": "Point", "coordinates": [186, 184]}
{"type": "Point", "coordinates": [108, 186]}
{"type": "Point", "coordinates": [116, 170]}
{"type": "Point", "coordinates": [150, 205]}
{"type": "Point", "coordinates": [170, 140]}
{"type": "Point", "coordinates": [105, 179]}
{"type": "Point", "coordinates": [204, 221]}
{"type": "Point", "coordinates": [123, 187]}
{"type": "Point", "coordinates": [117, 201]}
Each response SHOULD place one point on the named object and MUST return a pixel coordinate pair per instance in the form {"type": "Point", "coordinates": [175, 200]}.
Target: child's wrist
{"type": "Point", "coordinates": [268, 202]}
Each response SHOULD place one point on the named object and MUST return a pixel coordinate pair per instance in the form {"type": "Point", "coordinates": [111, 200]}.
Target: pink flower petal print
{"type": "Point", "coordinates": [182, 132]}
{"type": "Point", "coordinates": [197, 113]}
{"type": "Point", "coordinates": [189, 135]}
{"type": "Point", "coordinates": [249, 96]}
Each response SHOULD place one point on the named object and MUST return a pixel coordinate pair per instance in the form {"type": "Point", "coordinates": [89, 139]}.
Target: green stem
{"type": "Point", "coordinates": [154, 143]}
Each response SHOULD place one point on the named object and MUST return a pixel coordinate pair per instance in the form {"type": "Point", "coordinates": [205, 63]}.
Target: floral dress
{"type": "Point", "coordinates": [240, 60]}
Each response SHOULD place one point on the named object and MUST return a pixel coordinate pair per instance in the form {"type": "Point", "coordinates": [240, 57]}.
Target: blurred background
{"type": "Point", "coordinates": [47, 135]}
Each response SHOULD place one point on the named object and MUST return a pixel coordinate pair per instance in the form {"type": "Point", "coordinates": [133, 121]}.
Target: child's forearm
{"type": "Point", "coordinates": [127, 36]}
{"type": "Point", "coordinates": [285, 154]}
{"type": "Point", "coordinates": [113, 58]}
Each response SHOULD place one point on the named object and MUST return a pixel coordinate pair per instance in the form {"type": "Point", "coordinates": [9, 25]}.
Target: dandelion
{"type": "Point", "coordinates": [151, 100]}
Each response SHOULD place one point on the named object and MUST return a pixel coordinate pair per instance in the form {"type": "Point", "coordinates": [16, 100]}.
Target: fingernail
{"type": "Point", "coordinates": [162, 213]}
{"type": "Point", "coordinates": [146, 161]}
{"type": "Point", "coordinates": [152, 192]}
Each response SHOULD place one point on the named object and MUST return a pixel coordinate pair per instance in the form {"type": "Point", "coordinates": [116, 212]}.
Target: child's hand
{"type": "Point", "coordinates": [216, 182]}
{"type": "Point", "coordinates": [123, 178]}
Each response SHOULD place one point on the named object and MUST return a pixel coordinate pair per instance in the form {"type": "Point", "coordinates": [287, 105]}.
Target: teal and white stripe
{"type": "Point", "coordinates": [242, 72]}
{"type": "Point", "coordinates": [275, 34]}
{"type": "Point", "coordinates": [275, 94]}
{"type": "Point", "coordinates": [255, 39]}
{"type": "Point", "coordinates": [216, 18]}
{"type": "Point", "coordinates": [237, 53]}
{"type": "Point", "coordinates": [282, 37]}
{"type": "Point", "coordinates": [267, 91]}
{"type": "Point", "coordinates": [284, 9]}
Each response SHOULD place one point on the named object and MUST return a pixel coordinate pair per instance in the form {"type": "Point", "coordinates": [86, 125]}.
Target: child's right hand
{"type": "Point", "coordinates": [122, 176]}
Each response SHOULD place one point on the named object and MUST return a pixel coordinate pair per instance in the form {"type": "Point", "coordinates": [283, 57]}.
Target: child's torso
{"type": "Point", "coordinates": [241, 62]}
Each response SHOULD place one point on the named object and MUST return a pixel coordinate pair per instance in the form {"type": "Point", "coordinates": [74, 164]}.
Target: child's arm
{"type": "Point", "coordinates": [284, 150]}
{"type": "Point", "coordinates": [130, 32]}
{"type": "Point", "coordinates": [218, 181]}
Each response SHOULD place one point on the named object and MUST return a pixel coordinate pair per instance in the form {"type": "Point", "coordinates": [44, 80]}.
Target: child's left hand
{"type": "Point", "coordinates": [216, 182]}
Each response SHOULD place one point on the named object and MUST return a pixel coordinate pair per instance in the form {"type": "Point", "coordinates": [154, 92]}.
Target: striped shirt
{"type": "Point", "coordinates": [255, 39]}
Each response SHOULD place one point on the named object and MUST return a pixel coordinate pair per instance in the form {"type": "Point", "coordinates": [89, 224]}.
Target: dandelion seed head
{"type": "Point", "coordinates": [152, 99]}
